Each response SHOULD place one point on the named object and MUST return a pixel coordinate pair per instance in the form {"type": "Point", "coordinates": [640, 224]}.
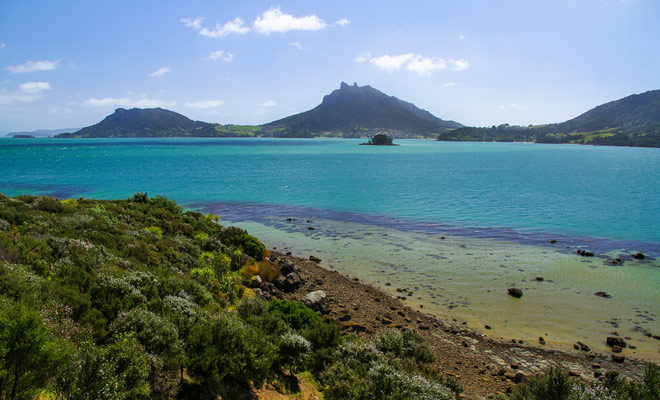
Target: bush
{"type": "Point", "coordinates": [297, 315]}
{"type": "Point", "coordinates": [294, 351]}
{"type": "Point", "coordinates": [554, 385]}
{"type": "Point", "coordinates": [154, 230]}
{"type": "Point", "coordinates": [223, 346]}
{"type": "Point", "coordinates": [28, 356]}
{"type": "Point", "coordinates": [253, 247]}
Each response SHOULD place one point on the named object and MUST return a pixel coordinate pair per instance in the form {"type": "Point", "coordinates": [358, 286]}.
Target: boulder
{"type": "Point", "coordinates": [288, 283]}
{"type": "Point", "coordinates": [585, 253]}
{"type": "Point", "coordinates": [256, 282]}
{"type": "Point", "coordinates": [603, 294]}
{"type": "Point", "coordinates": [315, 259]}
{"type": "Point", "coordinates": [515, 292]}
{"type": "Point", "coordinates": [616, 341]}
{"type": "Point", "coordinates": [316, 300]}
{"type": "Point", "coordinates": [639, 256]}
{"type": "Point", "coordinates": [286, 267]}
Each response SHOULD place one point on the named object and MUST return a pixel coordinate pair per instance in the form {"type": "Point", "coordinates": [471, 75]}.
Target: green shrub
{"type": "Point", "coordinates": [253, 247]}
{"type": "Point", "coordinates": [163, 202]}
{"type": "Point", "coordinates": [294, 351]}
{"type": "Point", "coordinates": [154, 230]}
{"type": "Point", "coordinates": [297, 315]}
{"type": "Point", "coordinates": [223, 346]}
{"type": "Point", "coordinates": [140, 197]}
{"type": "Point", "coordinates": [554, 385]}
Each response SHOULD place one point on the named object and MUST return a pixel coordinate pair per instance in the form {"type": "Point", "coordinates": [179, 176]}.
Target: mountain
{"type": "Point", "coordinates": [41, 132]}
{"type": "Point", "coordinates": [630, 121]}
{"type": "Point", "coordinates": [149, 122]}
{"type": "Point", "coordinates": [353, 111]}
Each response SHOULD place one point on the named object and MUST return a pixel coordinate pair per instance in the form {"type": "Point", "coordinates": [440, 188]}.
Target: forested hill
{"type": "Point", "coordinates": [354, 111]}
{"type": "Point", "coordinates": [150, 122]}
{"type": "Point", "coordinates": [631, 121]}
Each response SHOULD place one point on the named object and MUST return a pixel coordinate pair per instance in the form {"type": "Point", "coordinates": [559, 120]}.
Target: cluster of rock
{"type": "Point", "coordinates": [288, 281]}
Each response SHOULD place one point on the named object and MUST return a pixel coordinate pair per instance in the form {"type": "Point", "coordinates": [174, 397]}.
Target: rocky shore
{"type": "Point", "coordinates": [484, 365]}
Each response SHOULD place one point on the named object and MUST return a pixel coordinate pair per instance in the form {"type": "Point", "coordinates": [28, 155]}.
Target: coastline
{"type": "Point", "coordinates": [484, 364]}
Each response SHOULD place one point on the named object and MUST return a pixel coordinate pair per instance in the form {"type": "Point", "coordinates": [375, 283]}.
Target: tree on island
{"type": "Point", "coordinates": [380, 140]}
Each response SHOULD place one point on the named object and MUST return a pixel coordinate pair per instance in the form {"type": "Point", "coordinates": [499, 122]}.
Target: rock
{"type": "Point", "coordinates": [573, 373]}
{"type": "Point", "coordinates": [315, 259]}
{"type": "Point", "coordinates": [541, 340]}
{"type": "Point", "coordinates": [553, 241]}
{"type": "Point", "coordinates": [617, 349]}
{"type": "Point", "coordinates": [639, 256]}
{"type": "Point", "coordinates": [603, 294]}
{"type": "Point", "coordinates": [288, 283]}
{"type": "Point", "coordinates": [539, 279]}
{"type": "Point", "coordinates": [520, 377]}
{"type": "Point", "coordinates": [585, 253]}
{"type": "Point", "coordinates": [386, 321]}
{"type": "Point", "coordinates": [286, 267]}
{"type": "Point", "coordinates": [487, 326]}
{"type": "Point", "coordinates": [616, 341]}
{"type": "Point", "coordinates": [345, 317]}
{"type": "Point", "coordinates": [583, 346]}
{"type": "Point", "coordinates": [317, 300]}
{"type": "Point", "coordinates": [597, 374]}
{"type": "Point", "coordinates": [618, 358]}
{"type": "Point", "coordinates": [515, 292]}
{"type": "Point", "coordinates": [256, 282]}
{"type": "Point", "coordinates": [311, 228]}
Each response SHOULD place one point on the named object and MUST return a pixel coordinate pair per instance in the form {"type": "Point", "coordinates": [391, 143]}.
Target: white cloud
{"type": "Point", "coordinates": [391, 63]}
{"type": "Point", "coordinates": [33, 66]}
{"type": "Point", "coordinates": [28, 92]}
{"type": "Point", "coordinates": [459, 65]}
{"type": "Point", "coordinates": [205, 104]}
{"type": "Point", "coordinates": [195, 24]}
{"type": "Point", "coordinates": [128, 102]}
{"type": "Point", "coordinates": [159, 72]}
{"type": "Point", "coordinates": [297, 45]}
{"type": "Point", "coordinates": [451, 84]}
{"type": "Point", "coordinates": [342, 22]}
{"type": "Point", "coordinates": [2, 45]}
{"type": "Point", "coordinates": [424, 66]}
{"type": "Point", "coordinates": [269, 103]}
{"type": "Point", "coordinates": [462, 37]}
{"type": "Point", "coordinates": [34, 87]}
{"type": "Point", "coordinates": [274, 20]}
{"type": "Point", "coordinates": [362, 57]}
{"type": "Point", "coordinates": [235, 26]}
{"type": "Point", "coordinates": [221, 55]}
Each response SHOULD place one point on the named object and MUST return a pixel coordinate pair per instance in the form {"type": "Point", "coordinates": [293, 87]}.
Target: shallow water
{"type": "Point", "coordinates": [380, 214]}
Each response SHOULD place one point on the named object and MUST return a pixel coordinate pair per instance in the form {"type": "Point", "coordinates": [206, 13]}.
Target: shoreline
{"type": "Point", "coordinates": [485, 365]}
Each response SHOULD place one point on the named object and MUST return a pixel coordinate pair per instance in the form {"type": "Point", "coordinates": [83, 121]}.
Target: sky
{"type": "Point", "coordinates": [68, 64]}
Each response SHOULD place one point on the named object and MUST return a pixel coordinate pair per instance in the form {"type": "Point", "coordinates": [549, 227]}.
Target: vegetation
{"type": "Point", "coordinates": [380, 140]}
{"type": "Point", "coordinates": [631, 121]}
{"type": "Point", "coordinates": [123, 299]}
{"type": "Point", "coordinates": [556, 385]}
{"type": "Point", "coordinates": [354, 111]}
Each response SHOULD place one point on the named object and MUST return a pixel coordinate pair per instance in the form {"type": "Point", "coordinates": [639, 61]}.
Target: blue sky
{"type": "Point", "coordinates": [69, 64]}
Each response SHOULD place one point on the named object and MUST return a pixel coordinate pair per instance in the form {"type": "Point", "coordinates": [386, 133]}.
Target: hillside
{"type": "Point", "coordinates": [150, 122]}
{"type": "Point", "coordinates": [355, 111]}
{"type": "Point", "coordinates": [631, 121]}
{"type": "Point", "coordinates": [41, 132]}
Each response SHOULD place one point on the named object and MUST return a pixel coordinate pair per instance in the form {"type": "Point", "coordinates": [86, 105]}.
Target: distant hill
{"type": "Point", "coordinates": [41, 132]}
{"type": "Point", "coordinates": [354, 111]}
{"type": "Point", "coordinates": [631, 121]}
{"type": "Point", "coordinates": [149, 122]}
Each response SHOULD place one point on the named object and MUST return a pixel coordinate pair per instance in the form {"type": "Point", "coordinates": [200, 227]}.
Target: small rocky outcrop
{"type": "Point", "coordinates": [316, 300]}
{"type": "Point", "coordinates": [603, 294]}
{"type": "Point", "coordinates": [380, 140]}
{"type": "Point", "coordinates": [515, 292]}
{"type": "Point", "coordinates": [613, 341]}
{"type": "Point", "coordinates": [639, 256]}
{"type": "Point", "coordinates": [585, 253]}
{"type": "Point", "coordinates": [315, 259]}
{"type": "Point", "coordinates": [286, 267]}
{"type": "Point", "coordinates": [288, 283]}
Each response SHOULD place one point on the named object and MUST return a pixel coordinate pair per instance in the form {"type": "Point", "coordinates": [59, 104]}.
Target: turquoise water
{"type": "Point", "coordinates": [582, 191]}
{"type": "Point", "coordinates": [455, 224]}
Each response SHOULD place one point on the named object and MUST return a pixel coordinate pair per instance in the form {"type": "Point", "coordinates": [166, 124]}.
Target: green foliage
{"type": "Point", "coordinates": [554, 385]}
{"type": "Point", "coordinates": [28, 356]}
{"type": "Point", "coordinates": [294, 350]}
{"type": "Point", "coordinates": [223, 345]}
{"type": "Point", "coordinates": [154, 230]}
{"type": "Point", "coordinates": [253, 247]}
{"type": "Point", "coordinates": [380, 140]}
{"type": "Point", "coordinates": [297, 315]}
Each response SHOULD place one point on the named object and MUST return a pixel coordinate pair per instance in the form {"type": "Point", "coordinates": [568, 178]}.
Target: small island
{"type": "Point", "coordinates": [23, 137]}
{"type": "Point", "coordinates": [379, 140]}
